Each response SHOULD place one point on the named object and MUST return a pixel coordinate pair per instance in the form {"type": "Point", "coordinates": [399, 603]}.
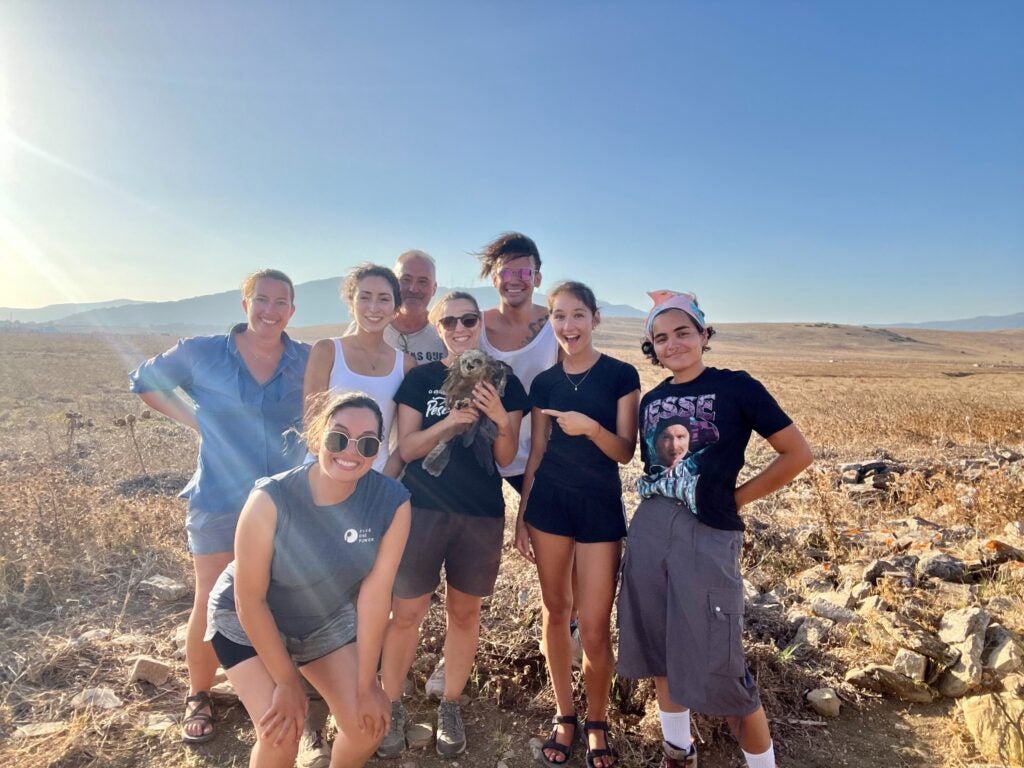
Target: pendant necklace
{"type": "Point", "coordinates": [577, 384]}
{"type": "Point", "coordinates": [376, 356]}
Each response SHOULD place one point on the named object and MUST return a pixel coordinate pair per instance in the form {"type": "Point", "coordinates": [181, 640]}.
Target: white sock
{"type": "Point", "coordinates": [675, 728]}
{"type": "Point", "coordinates": [765, 760]}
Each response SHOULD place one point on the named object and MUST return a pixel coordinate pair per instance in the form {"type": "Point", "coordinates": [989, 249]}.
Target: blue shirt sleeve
{"type": "Point", "coordinates": [165, 372]}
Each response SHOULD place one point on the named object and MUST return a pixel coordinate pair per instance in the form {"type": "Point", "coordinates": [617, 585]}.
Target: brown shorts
{"type": "Point", "coordinates": [681, 610]}
{"type": "Point", "coordinates": [468, 546]}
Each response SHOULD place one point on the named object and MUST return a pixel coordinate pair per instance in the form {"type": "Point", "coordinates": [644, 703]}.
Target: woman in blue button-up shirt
{"type": "Point", "coordinates": [244, 392]}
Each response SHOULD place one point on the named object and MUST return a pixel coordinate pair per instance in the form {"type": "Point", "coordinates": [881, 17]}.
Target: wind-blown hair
{"type": "Point", "coordinates": [505, 247]}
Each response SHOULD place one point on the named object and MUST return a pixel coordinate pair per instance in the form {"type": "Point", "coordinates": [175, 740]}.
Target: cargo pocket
{"type": "Point", "coordinates": [725, 632]}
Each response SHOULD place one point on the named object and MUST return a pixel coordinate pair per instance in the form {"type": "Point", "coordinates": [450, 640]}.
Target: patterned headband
{"type": "Point", "coordinates": [665, 300]}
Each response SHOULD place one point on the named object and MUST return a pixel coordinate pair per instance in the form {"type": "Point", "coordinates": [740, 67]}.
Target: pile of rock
{"type": "Point", "coordinates": [921, 613]}
{"type": "Point", "coordinates": [870, 479]}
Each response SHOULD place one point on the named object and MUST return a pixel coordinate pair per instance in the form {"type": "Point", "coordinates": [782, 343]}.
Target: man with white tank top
{"type": "Point", "coordinates": [517, 330]}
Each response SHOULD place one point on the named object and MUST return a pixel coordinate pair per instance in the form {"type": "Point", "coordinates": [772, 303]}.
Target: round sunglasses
{"type": "Point", "coordinates": [468, 320]}
{"type": "Point", "coordinates": [367, 446]}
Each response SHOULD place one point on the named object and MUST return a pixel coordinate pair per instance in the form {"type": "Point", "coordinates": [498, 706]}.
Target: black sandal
{"type": "Point", "coordinates": [193, 705]}
{"type": "Point", "coordinates": [565, 750]}
{"type": "Point", "coordinates": [607, 751]}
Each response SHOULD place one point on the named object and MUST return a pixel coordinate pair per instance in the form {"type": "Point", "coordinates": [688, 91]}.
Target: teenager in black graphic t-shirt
{"type": "Point", "coordinates": [681, 601]}
{"type": "Point", "coordinates": [457, 519]}
{"type": "Point", "coordinates": [583, 427]}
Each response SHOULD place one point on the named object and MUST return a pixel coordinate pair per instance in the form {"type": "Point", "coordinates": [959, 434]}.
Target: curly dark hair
{"type": "Point", "coordinates": [505, 247]}
{"type": "Point", "coordinates": [350, 285]}
{"type": "Point", "coordinates": [647, 347]}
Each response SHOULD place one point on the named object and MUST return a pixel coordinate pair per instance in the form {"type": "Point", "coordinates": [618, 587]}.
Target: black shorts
{"type": "Point", "coordinates": [338, 632]}
{"type": "Point", "coordinates": [589, 518]}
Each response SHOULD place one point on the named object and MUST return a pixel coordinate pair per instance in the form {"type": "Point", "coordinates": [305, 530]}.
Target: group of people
{"type": "Point", "coordinates": [318, 537]}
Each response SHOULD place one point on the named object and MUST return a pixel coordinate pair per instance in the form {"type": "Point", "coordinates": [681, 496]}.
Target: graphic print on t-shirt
{"type": "Point", "coordinates": [676, 432]}
{"type": "Point", "coordinates": [437, 405]}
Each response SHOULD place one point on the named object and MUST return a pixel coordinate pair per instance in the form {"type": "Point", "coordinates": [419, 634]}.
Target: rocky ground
{"type": "Point", "coordinates": [886, 580]}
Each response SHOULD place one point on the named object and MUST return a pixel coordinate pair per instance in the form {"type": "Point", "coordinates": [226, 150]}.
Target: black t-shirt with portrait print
{"type": "Point", "coordinates": [693, 439]}
{"type": "Point", "coordinates": [464, 487]}
{"type": "Point", "coordinates": [575, 461]}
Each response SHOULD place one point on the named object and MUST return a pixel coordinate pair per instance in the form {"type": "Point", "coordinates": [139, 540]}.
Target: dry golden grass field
{"type": "Point", "coordinates": [89, 510]}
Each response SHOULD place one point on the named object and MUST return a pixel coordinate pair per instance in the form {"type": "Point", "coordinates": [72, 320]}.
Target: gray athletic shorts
{"type": "Point", "coordinates": [681, 610]}
{"type": "Point", "coordinates": [337, 632]}
{"type": "Point", "coordinates": [469, 547]}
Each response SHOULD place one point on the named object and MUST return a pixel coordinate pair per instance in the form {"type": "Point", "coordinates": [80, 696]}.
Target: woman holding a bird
{"type": "Point", "coordinates": [458, 508]}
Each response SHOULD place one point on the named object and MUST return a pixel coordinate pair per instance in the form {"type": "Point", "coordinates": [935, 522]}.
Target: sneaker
{"type": "Point", "coordinates": [451, 733]}
{"type": "Point", "coordinates": [677, 758]}
{"type": "Point", "coordinates": [577, 648]}
{"type": "Point", "coordinates": [394, 740]}
{"type": "Point", "coordinates": [435, 683]}
{"type": "Point", "coordinates": [314, 752]}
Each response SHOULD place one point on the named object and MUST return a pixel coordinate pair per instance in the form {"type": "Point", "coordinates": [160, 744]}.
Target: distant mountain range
{"type": "Point", "coordinates": [53, 312]}
{"type": "Point", "coordinates": [317, 303]}
{"type": "Point", "coordinates": [982, 323]}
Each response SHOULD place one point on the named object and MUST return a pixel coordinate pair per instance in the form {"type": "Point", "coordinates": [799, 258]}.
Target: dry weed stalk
{"type": "Point", "coordinates": [128, 422]}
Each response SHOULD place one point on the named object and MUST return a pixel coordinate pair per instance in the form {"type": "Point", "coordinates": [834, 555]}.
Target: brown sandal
{"type": "Point", "coordinates": [193, 705]}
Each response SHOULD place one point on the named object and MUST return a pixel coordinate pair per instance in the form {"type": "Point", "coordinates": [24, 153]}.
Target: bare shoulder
{"type": "Point", "coordinates": [259, 512]}
{"type": "Point", "coordinates": [538, 320]}
{"type": "Point", "coordinates": [322, 352]}
{"type": "Point", "coordinates": [493, 318]}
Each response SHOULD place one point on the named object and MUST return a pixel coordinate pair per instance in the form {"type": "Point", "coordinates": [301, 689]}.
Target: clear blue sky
{"type": "Point", "coordinates": [857, 162]}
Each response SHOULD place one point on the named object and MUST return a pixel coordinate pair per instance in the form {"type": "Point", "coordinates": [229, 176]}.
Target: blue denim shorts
{"type": "Point", "coordinates": [210, 533]}
{"type": "Point", "coordinates": [339, 631]}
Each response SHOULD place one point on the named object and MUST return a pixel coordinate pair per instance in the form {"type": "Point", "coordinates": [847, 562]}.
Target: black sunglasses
{"type": "Point", "coordinates": [367, 446]}
{"type": "Point", "coordinates": [468, 320]}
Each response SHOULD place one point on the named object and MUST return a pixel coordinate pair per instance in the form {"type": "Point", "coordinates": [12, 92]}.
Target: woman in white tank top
{"type": "Point", "coordinates": [363, 361]}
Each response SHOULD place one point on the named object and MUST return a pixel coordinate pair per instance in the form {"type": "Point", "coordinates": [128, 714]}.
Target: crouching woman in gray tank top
{"type": "Point", "coordinates": [316, 551]}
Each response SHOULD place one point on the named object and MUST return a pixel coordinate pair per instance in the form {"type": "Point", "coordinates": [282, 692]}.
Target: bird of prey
{"type": "Point", "coordinates": [466, 371]}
